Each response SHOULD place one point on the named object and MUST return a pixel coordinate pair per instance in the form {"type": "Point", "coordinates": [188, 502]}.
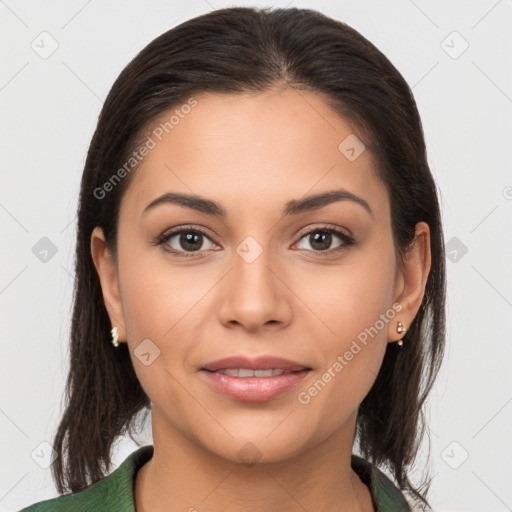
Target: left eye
{"type": "Point", "coordinates": [321, 239]}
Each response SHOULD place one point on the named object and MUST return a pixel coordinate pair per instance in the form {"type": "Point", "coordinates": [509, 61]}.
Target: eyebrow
{"type": "Point", "coordinates": [293, 207]}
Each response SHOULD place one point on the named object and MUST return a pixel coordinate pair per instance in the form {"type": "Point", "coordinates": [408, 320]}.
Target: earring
{"type": "Point", "coordinates": [115, 337]}
{"type": "Point", "coordinates": [400, 328]}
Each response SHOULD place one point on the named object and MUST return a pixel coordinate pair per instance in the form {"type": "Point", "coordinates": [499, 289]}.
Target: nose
{"type": "Point", "coordinates": [254, 293]}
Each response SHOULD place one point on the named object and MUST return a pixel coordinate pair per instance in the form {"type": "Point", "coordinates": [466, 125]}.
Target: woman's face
{"type": "Point", "coordinates": [254, 285]}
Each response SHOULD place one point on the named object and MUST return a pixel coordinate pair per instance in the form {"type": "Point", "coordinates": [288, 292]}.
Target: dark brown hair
{"type": "Point", "coordinates": [248, 50]}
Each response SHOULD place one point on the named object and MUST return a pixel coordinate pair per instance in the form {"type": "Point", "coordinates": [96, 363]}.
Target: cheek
{"type": "Point", "coordinates": [157, 294]}
{"type": "Point", "coordinates": [336, 393]}
{"type": "Point", "coordinates": [351, 357]}
{"type": "Point", "coordinates": [354, 303]}
{"type": "Point", "coordinates": [350, 298]}
{"type": "Point", "coordinates": [164, 303]}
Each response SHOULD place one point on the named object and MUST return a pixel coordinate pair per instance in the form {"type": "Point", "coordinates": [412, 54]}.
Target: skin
{"type": "Point", "coordinates": [252, 154]}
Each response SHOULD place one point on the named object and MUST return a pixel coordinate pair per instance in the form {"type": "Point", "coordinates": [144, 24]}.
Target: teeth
{"type": "Point", "coordinates": [246, 372]}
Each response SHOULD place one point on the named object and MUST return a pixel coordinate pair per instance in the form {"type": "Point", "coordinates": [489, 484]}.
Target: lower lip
{"type": "Point", "coordinates": [254, 389]}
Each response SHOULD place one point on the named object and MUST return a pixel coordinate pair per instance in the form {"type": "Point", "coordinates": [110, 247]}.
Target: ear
{"type": "Point", "coordinates": [412, 279]}
{"type": "Point", "coordinates": [107, 272]}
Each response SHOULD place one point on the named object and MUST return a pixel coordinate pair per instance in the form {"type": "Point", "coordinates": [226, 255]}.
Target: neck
{"type": "Point", "coordinates": [183, 475]}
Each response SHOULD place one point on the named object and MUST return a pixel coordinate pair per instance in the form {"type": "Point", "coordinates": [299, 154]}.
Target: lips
{"type": "Point", "coordinates": [257, 379]}
{"type": "Point", "coordinates": [247, 367]}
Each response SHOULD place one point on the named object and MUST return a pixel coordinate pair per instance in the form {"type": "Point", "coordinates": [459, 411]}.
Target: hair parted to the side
{"type": "Point", "coordinates": [244, 50]}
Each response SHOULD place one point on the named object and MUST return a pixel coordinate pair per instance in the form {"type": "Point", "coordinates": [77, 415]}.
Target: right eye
{"type": "Point", "coordinates": [184, 241]}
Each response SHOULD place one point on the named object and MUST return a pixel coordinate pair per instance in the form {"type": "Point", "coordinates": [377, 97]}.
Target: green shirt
{"type": "Point", "coordinates": [114, 493]}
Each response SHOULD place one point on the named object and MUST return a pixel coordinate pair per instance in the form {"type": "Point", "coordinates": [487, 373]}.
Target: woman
{"type": "Point", "coordinates": [260, 265]}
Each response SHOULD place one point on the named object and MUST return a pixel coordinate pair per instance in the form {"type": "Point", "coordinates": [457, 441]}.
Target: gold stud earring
{"type": "Point", "coordinates": [400, 329]}
{"type": "Point", "coordinates": [115, 337]}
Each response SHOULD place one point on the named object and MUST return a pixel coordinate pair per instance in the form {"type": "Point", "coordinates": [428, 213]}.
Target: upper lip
{"type": "Point", "coordinates": [258, 363]}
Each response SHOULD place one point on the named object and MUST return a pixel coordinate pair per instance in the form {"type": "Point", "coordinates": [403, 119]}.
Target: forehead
{"type": "Point", "coordinates": [260, 148]}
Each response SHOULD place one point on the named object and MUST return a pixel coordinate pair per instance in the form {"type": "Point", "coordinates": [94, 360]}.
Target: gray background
{"type": "Point", "coordinates": [49, 106]}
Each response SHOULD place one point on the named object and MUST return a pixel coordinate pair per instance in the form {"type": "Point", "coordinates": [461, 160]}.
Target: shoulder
{"type": "Point", "coordinates": [112, 493]}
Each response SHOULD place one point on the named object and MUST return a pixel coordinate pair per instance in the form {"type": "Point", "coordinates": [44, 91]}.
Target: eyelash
{"type": "Point", "coordinates": [346, 239]}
